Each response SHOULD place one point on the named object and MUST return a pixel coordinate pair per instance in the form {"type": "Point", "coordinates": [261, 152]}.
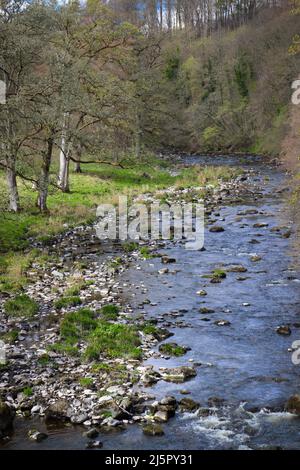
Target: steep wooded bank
{"type": "Point", "coordinates": [231, 91]}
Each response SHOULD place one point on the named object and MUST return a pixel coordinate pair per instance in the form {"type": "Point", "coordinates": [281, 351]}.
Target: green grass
{"type": "Point", "coordinates": [63, 347]}
{"type": "Point", "coordinates": [66, 302]}
{"type": "Point", "coordinates": [76, 325]}
{"type": "Point", "coordinates": [10, 337]}
{"type": "Point", "coordinates": [21, 306]}
{"type": "Point", "coordinates": [28, 391]}
{"type": "Point", "coordinates": [129, 247]}
{"type": "Point", "coordinates": [113, 340]}
{"type": "Point", "coordinates": [146, 253]}
{"type": "Point", "coordinates": [86, 382]}
{"type": "Point", "coordinates": [110, 312]}
{"type": "Point", "coordinates": [44, 359]}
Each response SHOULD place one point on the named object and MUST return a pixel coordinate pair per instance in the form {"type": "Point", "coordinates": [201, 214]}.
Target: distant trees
{"type": "Point", "coordinates": [200, 17]}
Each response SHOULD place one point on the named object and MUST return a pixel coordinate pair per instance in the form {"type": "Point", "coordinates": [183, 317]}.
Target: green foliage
{"type": "Point", "coordinates": [44, 360]}
{"type": "Point", "coordinates": [64, 347]}
{"type": "Point", "coordinates": [66, 302]}
{"type": "Point", "coordinates": [28, 391]}
{"type": "Point", "coordinates": [21, 306]}
{"type": "Point", "coordinates": [10, 337]}
{"type": "Point", "coordinates": [110, 312]}
{"type": "Point", "coordinates": [172, 349]}
{"type": "Point", "coordinates": [128, 247]}
{"type": "Point", "coordinates": [76, 325]}
{"type": "Point", "coordinates": [172, 66]}
{"type": "Point", "coordinates": [242, 72]}
{"type": "Point", "coordinates": [219, 274]}
{"type": "Point", "coordinates": [145, 252]}
{"type": "Point", "coordinates": [86, 382]}
{"type": "Point", "coordinates": [113, 340]}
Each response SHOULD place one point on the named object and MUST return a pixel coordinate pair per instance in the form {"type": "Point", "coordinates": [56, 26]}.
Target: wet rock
{"type": "Point", "coordinates": [255, 258]}
{"type": "Point", "coordinates": [215, 402]}
{"type": "Point", "coordinates": [185, 392]}
{"type": "Point", "coordinates": [203, 412]}
{"type": "Point", "coordinates": [206, 310]}
{"type": "Point", "coordinates": [173, 349]}
{"type": "Point", "coordinates": [161, 416]}
{"type": "Point", "coordinates": [94, 445]}
{"type": "Point", "coordinates": [150, 377]}
{"type": "Point", "coordinates": [163, 271]}
{"type": "Point", "coordinates": [152, 429]}
{"type": "Point", "coordinates": [237, 269]}
{"type": "Point", "coordinates": [260, 225]}
{"type": "Point", "coordinates": [216, 229]}
{"type": "Point", "coordinates": [37, 436]}
{"type": "Point", "coordinates": [284, 330]}
{"type": "Point", "coordinates": [7, 415]}
{"type": "Point", "coordinates": [91, 433]}
{"type": "Point", "coordinates": [178, 374]}
{"type": "Point", "coordinates": [222, 323]}
{"type": "Point", "coordinates": [57, 411]}
{"type": "Point", "coordinates": [293, 404]}
{"type": "Point", "coordinates": [202, 293]}
{"type": "Point", "coordinates": [187, 404]}
{"type": "Point", "coordinates": [79, 418]}
{"type": "Point", "coordinates": [167, 260]}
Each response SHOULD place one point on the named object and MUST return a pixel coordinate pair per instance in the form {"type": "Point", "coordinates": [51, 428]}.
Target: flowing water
{"type": "Point", "coordinates": [247, 364]}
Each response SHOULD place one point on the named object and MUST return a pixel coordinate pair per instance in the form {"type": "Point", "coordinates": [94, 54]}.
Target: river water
{"type": "Point", "coordinates": [247, 364]}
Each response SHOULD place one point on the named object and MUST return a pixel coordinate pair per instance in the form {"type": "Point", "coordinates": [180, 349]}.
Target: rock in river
{"type": "Point", "coordinates": [152, 429]}
{"type": "Point", "coordinates": [284, 330]}
{"type": "Point", "coordinates": [178, 374]}
{"type": "Point", "coordinates": [58, 411]}
{"type": "Point", "coordinates": [216, 229]}
{"type": "Point", "coordinates": [7, 415]}
{"type": "Point", "coordinates": [187, 404]}
{"type": "Point", "coordinates": [293, 404]}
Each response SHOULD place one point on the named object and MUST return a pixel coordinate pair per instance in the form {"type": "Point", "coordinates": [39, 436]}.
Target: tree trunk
{"type": "Point", "coordinates": [64, 161]}
{"type": "Point", "coordinates": [44, 177]}
{"type": "Point", "coordinates": [14, 200]}
{"type": "Point", "coordinates": [77, 166]}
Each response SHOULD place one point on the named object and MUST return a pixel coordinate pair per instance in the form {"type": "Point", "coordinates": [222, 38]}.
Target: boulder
{"type": "Point", "coordinates": [178, 374]}
{"type": "Point", "coordinates": [284, 330]}
{"type": "Point", "coordinates": [187, 404]}
{"type": "Point", "coordinates": [58, 411]}
{"type": "Point", "coordinates": [153, 429]}
{"type": "Point", "coordinates": [7, 415]}
{"type": "Point", "coordinates": [216, 229]}
{"type": "Point", "coordinates": [293, 404]}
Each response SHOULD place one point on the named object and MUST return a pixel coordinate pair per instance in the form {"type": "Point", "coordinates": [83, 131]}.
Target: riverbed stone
{"type": "Point", "coordinates": [216, 229]}
{"type": "Point", "coordinates": [178, 374]}
{"type": "Point", "coordinates": [293, 404]}
{"type": "Point", "coordinates": [152, 429]}
{"type": "Point", "coordinates": [57, 411]}
{"type": "Point", "coordinates": [37, 436]}
{"type": "Point", "coordinates": [284, 330]}
{"type": "Point", "coordinates": [187, 404]}
{"type": "Point", "coordinates": [7, 415]}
